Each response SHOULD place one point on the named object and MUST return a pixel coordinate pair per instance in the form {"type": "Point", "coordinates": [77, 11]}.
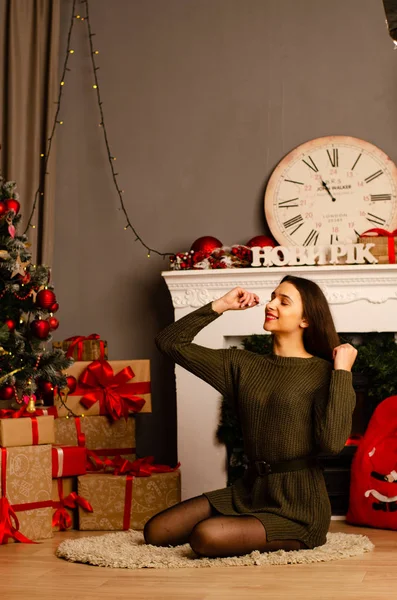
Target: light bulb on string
{"type": "Point", "coordinates": [95, 86]}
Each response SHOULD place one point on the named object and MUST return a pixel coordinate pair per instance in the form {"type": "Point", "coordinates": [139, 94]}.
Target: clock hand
{"type": "Point", "coordinates": [327, 188]}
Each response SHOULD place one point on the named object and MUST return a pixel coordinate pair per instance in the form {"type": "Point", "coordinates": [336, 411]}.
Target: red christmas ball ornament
{"type": "Point", "coordinates": [12, 204]}
{"type": "Point", "coordinates": [40, 328]}
{"type": "Point", "coordinates": [7, 392]}
{"type": "Point", "coordinates": [10, 324]}
{"type": "Point", "coordinates": [54, 323]}
{"type": "Point", "coordinates": [45, 388]}
{"type": "Point", "coordinates": [3, 209]}
{"type": "Point", "coordinates": [54, 307]}
{"type": "Point", "coordinates": [206, 244]}
{"type": "Point", "coordinates": [45, 299]}
{"type": "Point", "coordinates": [261, 240]}
{"type": "Point", "coordinates": [25, 278]}
{"type": "Point", "coordinates": [71, 382]}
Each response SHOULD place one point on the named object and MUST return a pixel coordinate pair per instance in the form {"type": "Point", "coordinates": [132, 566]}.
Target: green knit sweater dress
{"type": "Point", "coordinates": [288, 408]}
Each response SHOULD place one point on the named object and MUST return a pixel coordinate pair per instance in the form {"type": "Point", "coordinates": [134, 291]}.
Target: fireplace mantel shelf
{"type": "Point", "coordinates": [341, 283]}
{"type": "Point", "coordinates": [362, 298]}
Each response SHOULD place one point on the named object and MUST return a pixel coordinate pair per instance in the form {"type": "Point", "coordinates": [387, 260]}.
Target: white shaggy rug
{"type": "Point", "coordinates": [127, 550]}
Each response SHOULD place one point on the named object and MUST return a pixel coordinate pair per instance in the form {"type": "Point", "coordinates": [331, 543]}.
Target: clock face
{"type": "Point", "coordinates": [330, 190]}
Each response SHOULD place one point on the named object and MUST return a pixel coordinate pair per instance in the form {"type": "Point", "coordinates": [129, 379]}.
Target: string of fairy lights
{"type": "Point", "coordinates": [85, 21]}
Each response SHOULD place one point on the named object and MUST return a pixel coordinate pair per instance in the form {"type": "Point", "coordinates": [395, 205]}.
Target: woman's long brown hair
{"type": "Point", "coordinates": [320, 338]}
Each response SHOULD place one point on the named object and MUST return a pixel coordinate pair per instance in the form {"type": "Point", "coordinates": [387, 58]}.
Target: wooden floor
{"type": "Point", "coordinates": [32, 572]}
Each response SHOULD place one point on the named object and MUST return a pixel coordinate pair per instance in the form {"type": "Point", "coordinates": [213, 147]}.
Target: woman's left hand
{"type": "Point", "coordinates": [344, 357]}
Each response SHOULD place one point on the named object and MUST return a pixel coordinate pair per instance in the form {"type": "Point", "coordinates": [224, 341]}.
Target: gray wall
{"type": "Point", "coordinates": [202, 98]}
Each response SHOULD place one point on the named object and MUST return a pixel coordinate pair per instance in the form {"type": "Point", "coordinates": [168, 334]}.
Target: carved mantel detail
{"type": "Point", "coordinates": [375, 284]}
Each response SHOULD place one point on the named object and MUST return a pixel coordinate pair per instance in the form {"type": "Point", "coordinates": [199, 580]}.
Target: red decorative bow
{"type": "Point", "coordinates": [116, 396]}
{"type": "Point", "coordinates": [61, 517]}
{"type": "Point", "coordinates": [9, 413]}
{"type": "Point", "coordinates": [77, 340]}
{"type": "Point", "coordinates": [9, 524]}
{"type": "Point", "coordinates": [390, 242]}
{"type": "Point", "coordinates": [141, 467]}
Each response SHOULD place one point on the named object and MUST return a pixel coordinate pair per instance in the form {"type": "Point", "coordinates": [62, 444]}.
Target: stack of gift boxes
{"type": "Point", "coordinates": [74, 464]}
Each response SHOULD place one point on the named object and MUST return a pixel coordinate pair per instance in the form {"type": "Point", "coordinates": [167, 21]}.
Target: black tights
{"type": "Point", "coordinates": [210, 534]}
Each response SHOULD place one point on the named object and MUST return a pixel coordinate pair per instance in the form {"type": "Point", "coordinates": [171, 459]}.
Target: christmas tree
{"type": "Point", "coordinates": [28, 372]}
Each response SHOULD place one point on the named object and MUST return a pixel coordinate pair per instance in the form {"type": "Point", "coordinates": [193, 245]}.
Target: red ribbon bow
{"type": "Point", "coordinates": [141, 467]}
{"type": "Point", "coordinates": [77, 340]}
{"type": "Point", "coordinates": [116, 396]}
{"type": "Point", "coordinates": [9, 524]}
{"type": "Point", "coordinates": [61, 517]}
{"type": "Point", "coordinates": [390, 242]}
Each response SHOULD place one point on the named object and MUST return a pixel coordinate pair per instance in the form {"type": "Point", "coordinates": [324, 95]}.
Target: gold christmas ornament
{"type": "Point", "coordinates": [31, 407]}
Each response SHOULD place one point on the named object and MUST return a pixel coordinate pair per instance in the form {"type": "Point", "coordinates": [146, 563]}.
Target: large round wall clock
{"type": "Point", "coordinates": [331, 190]}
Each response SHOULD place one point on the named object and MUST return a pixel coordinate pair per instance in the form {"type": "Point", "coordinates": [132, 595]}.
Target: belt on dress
{"type": "Point", "coordinates": [264, 468]}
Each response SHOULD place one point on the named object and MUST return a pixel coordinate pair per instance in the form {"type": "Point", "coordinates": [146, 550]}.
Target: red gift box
{"type": "Point", "coordinates": [68, 461]}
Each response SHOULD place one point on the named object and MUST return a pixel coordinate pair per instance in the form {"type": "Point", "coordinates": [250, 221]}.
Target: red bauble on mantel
{"type": "Point", "coordinates": [12, 204]}
{"type": "Point", "coordinates": [54, 307]}
{"type": "Point", "coordinates": [7, 392]}
{"type": "Point", "coordinates": [207, 244]}
{"type": "Point", "coordinates": [54, 323]}
{"type": "Point", "coordinates": [45, 299]}
{"type": "Point", "coordinates": [40, 328]}
{"type": "Point", "coordinates": [261, 241]}
{"type": "Point", "coordinates": [71, 383]}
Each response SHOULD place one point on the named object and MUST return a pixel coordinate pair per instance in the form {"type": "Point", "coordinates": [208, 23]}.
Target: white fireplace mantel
{"type": "Point", "coordinates": [363, 298]}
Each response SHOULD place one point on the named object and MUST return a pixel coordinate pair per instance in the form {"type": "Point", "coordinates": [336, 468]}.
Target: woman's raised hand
{"type": "Point", "coordinates": [236, 299]}
{"type": "Point", "coordinates": [344, 357]}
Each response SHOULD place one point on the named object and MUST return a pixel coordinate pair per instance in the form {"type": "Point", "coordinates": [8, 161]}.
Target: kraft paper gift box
{"type": "Point", "coordinates": [81, 347]}
{"type": "Point", "coordinates": [117, 379]}
{"type": "Point", "coordinates": [27, 431]}
{"type": "Point", "coordinates": [98, 434]}
{"type": "Point", "coordinates": [122, 502]}
{"type": "Point", "coordinates": [25, 476]}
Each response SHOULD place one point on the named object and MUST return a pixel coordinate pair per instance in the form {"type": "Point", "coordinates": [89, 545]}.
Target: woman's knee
{"type": "Point", "coordinates": [154, 533]}
{"type": "Point", "coordinates": [202, 540]}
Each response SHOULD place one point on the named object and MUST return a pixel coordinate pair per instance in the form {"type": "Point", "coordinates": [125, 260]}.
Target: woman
{"type": "Point", "coordinates": [291, 404]}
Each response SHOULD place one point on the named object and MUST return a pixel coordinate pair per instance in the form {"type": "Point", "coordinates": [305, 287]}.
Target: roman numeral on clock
{"type": "Point", "coordinates": [357, 159]}
{"type": "Point", "coordinates": [334, 160]}
{"type": "Point", "coordinates": [375, 219]}
{"type": "Point", "coordinates": [294, 221]}
{"type": "Point", "coordinates": [287, 203]}
{"type": "Point", "coordinates": [373, 176]}
{"type": "Point", "coordinates": [311, 164]}
{"type": "Point", "coordinates": [292, 181]}
{"type": "Point", "coordinates": [311, 238]}
{"type": "Point", "coordinates": [380, 197]}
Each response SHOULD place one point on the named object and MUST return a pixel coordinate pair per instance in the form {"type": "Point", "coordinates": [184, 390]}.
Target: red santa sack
{"type": "Point", "coordinates": [373, 484]}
